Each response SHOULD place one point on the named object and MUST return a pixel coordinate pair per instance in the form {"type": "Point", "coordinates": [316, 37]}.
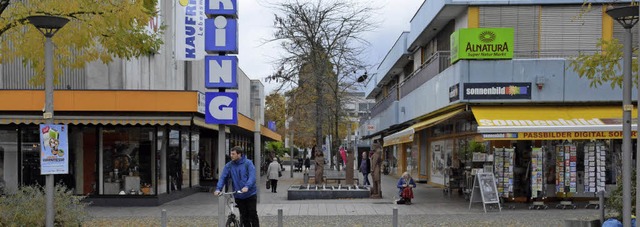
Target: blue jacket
{"type": "Point", "coordinates": [401, 182]}
{"type": "Point", "coordinates": [243, 174]}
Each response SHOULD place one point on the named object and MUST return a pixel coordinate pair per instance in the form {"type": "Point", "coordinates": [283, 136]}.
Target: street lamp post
{"type": "Point", "coordinates": [627, 17]}
{"type": "Point", "coordinates": [48, 26]}
{"type": "Point", "coordinates": [257, 143]}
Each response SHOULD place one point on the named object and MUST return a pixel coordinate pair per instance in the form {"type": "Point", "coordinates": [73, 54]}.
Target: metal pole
{"type": "Point", "coordinates": [626, 131]}
{"type": "Point", "coordinates": [395, 217]}
{"type": "Point", "coordinates": [222, 150]}
{"type": "Point", "coordinates": [291, 153]}
{"type": "Point", "coordinates": [601, 206]}
{"type": "Point", "coordinates": [279, 217]}
{"type": "Point", "coordinates": [48, 109]}
{"type": "Point", "coordinates": [637, 138]}
{"type": "Point", "coordinates": [256, 147]}
{"type": "Point", "coordinates": [163, 218]}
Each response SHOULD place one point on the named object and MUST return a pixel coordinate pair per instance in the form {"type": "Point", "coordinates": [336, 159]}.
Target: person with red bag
{"type": "Point", "coordinates": [405, 186]}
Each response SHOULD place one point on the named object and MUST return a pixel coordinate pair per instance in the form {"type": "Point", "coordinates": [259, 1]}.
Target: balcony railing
{"type": "Point", "coordinates": [433, 66]}
{"type": "Point", "coordinates": [385, 102]}
{"type": "Point", "coordinates": [440, 61]}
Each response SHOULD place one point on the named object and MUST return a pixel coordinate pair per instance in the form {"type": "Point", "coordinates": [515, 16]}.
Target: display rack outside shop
{"type": "Point", "coordinates": [503, 162]}
{"type": "Point", "coordinates": [594, 167]}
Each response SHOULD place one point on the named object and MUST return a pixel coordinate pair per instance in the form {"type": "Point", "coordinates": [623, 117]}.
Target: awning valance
{"type": "Point", "coordinates": [102, 120]}
{"type": "Point", "coordinates": [403, 136]}
{"type": "Point", "coordinates": [550, 122]}
{"type": "Point", "coordinates": [435, 120]}
{"type": "Point", "coordinates": [406, 135]}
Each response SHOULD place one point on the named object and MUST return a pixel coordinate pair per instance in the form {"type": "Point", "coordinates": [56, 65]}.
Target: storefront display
{"type": "Point", "coordinates": [594, 167]}
{"type": "Point", "coordinates": [503, 164]}
{"type": "Point", "coordinates": [537, 172]}
{"type": "Point", "coordinates": [566, 160]}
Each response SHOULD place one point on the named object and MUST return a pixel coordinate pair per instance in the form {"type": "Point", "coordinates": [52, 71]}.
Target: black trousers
{"type": "Point", "coordinates": [274, 185]}
{"type": "Point", "coordinates": [248, 211]}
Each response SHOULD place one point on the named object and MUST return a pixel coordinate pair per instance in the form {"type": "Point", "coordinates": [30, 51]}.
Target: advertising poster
{"type": "Point", "coordinates": [54, 154]}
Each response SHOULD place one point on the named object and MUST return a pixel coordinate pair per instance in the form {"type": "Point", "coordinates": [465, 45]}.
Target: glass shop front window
{"type": "Point", "coordinates": [127, 160]}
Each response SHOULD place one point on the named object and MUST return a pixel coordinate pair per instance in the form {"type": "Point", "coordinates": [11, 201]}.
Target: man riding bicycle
{"type": "Point", "coordinates": [243, 177]}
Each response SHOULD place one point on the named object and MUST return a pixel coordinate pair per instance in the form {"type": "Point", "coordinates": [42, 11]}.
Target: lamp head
{"type": "Point", "coordinates": [627, 16]}
{"type": "Point", "coordinates": [362, 78]}
{"type": "Point", "coordinates": [48, 25]}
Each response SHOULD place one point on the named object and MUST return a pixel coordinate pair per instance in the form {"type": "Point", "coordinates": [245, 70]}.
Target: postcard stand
{"type": "Point", "coordinates": [538, 181]}
{"type": "Point", "coordinates": [566, 160]}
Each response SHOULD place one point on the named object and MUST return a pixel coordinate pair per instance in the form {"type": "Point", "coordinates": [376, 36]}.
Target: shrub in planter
{"type": "Point", "coordinates": [27, 207]}
{"type": "Point", "coordinates": [614, 202]}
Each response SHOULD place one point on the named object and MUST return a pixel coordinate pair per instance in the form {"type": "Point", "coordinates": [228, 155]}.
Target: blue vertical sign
{"type": "Point", "coordinates": [222, 7]}
{"type": "Point", "coordinates": [221, 35]}
{"type": "Point", "coordinates": [220, 71]}
{"type": "Point", "coordinates": [54, 153]}
{"type": "Point", "coordinates": [221, 108]}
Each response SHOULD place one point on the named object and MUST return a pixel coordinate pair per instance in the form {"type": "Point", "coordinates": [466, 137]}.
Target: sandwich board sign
{"type": "Point", "coordinates": [485, 191]}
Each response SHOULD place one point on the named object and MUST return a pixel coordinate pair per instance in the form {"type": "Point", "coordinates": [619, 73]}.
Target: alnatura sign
{"type": "Point", "coordinates": [482, 43]}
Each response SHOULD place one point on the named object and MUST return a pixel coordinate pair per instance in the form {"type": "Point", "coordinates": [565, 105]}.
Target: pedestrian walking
{"type": "Point", "coordinates": [243, 178]}
{"type": "Point", "coordinates": [365, 168]}
{"type": "Point", "coordinates": [274, 174]}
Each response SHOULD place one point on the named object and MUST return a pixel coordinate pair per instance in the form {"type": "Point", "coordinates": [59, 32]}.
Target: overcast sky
{"type": "Point", "coordinates": [256, 25]}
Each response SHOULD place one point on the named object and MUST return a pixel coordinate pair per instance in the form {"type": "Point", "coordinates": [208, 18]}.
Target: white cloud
{"type": "Point", "coordinates": [256, 26]}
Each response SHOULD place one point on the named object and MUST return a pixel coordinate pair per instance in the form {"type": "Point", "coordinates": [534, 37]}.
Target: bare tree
{"type": "Point", "coordinates": [322, 43]}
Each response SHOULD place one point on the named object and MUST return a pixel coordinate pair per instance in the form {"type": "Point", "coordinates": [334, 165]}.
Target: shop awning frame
{"type": "Point", "coordinates": [406, 135]}
{"type": "Point", "coordinates": [550, 122]}
{"type": "Point", "coordinates": [99, 120]}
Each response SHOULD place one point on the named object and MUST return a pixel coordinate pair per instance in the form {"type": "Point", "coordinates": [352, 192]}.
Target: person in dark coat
{"type": "Point", "coordinates": [365, 168]}
{"type": "Point", "coordinates": [307, 164]}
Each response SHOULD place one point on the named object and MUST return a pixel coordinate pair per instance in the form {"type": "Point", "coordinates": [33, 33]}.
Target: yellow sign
{"type": "Point", "coordinates": [556, 135]}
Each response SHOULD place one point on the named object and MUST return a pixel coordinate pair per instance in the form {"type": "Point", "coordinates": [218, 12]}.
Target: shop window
{"type": "Point", "coordinates": [8, 160]}
{"type": "Point", "coordinates": [30, 148]}
{"type": "Point", "coordinates": [194, 158]}
{"type": "Point", "coordinates": [127, 166]}
{"type": "Point", "coordinates": [174, 161]}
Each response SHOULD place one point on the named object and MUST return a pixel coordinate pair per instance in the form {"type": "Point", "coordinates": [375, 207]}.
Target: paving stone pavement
{"type": "Point", "coordinates": [430, 208]}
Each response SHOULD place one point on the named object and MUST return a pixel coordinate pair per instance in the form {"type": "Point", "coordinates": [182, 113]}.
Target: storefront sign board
{"type": "Point", "coordinates": [481, 43]}
{"type": "Point", "coordinates": [556, 135]}
{"type": "Point", "coordinates": [484, 190]}
{"type": "Point", "coordinates": [497, 91]}
{"type": "Point", "coordinates": [54, 149]}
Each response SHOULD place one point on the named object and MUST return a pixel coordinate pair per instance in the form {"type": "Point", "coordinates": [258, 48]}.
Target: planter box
{"type": "Point", "coordinates": [297, 192]}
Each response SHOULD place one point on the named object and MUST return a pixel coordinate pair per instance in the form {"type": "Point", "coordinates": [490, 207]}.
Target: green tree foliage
{"type": "Point", "coordinates": [603, 67]}
{"type": "Point", "coordinates": [614, 201]}
{"type": "Point", "coordinates": [97, 30]}
{"type": "Point", "coordinates": [275, 110]}
{"type": "Point", "coordinates": [275, 147]}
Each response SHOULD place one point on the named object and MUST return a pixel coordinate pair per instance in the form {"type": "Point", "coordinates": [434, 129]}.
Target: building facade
{"type": "Point", "coordinates": [136, 128]}
{"type": "Point", "coordinates": [543, 130]}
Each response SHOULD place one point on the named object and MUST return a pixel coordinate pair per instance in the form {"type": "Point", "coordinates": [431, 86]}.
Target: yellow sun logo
{"type": "Point", "coordinates": [183, 2]}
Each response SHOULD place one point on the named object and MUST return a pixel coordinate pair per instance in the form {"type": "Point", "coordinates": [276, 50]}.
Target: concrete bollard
{"type": "Point", "coordinates": [395, 217]}
{"type": "Point", "coordinates": [279, 217]}
{"type": "Point", "coordinates": [163, 218]}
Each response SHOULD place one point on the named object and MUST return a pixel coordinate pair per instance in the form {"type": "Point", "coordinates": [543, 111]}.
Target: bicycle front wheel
{"type": "Point", "coordinates": [232, 222]}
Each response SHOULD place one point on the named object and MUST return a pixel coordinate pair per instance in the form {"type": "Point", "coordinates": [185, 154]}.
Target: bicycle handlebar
{"type": "Point", "coordinates": [230, 193]}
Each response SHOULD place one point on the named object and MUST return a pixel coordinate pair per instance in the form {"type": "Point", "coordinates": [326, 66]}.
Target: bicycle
{"type": "Point", "coordinates": [233, 219]}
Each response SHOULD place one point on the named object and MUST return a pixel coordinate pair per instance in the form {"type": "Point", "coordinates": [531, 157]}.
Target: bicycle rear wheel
{"type": "Point", "coordinates": [232, 221]}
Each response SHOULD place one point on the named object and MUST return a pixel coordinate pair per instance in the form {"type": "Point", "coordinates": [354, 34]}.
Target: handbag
{"type": "Point", "coordinates": [279, 173]}
{"type": "Point", "coordinates": [268, 184]}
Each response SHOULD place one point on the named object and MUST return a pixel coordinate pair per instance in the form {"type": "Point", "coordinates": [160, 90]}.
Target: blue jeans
{"type": "Point", "coordinates": [366, 179]}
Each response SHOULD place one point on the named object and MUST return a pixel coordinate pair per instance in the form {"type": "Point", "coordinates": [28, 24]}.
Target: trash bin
{"type": "Point", "coordinates": [305, 178]}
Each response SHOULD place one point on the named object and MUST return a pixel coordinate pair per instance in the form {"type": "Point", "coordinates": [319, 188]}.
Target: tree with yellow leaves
{"type": "Point", "coordinates": [97, 30]}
